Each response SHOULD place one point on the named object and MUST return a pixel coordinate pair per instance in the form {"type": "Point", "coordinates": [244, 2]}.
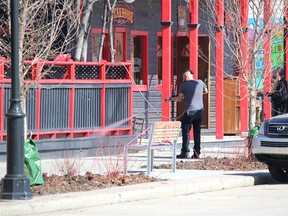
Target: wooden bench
{"type": "Point", "coordinates": [161, 135]}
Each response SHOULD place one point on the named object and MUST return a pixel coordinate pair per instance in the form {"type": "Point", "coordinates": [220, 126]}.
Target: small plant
{"type": "Point", "coordinates": [69, 166]}
{"type": "Point", "coordinates": [109, 157]}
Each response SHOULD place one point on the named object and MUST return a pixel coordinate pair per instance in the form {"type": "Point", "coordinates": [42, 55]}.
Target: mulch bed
{"type": "Point", "coordinates": [55, 184]}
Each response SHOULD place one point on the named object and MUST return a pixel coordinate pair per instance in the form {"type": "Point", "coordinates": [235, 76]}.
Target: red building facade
{"type": "Point", "coordinates": [165, 51]}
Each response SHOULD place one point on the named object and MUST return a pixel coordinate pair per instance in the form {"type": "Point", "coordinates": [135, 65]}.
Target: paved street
{"type": "Point", "coordinates": [259, 200]}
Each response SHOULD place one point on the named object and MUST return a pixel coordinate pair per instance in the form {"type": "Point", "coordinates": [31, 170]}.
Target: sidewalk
{"type": "Point", "coordinates": [181, 182]}
{"type": "Point", "coordinates": [191, 181]}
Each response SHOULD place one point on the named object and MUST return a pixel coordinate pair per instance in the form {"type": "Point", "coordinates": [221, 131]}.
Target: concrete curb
{"type": "Point", "coordinates": [68, 201]}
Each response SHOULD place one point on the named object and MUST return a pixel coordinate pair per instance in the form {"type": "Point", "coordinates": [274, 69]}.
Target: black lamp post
{"type": "Point", "coordinates": [15, 185]}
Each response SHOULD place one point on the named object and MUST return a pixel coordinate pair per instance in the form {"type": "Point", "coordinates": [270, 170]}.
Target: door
{"type": "Point", "coordinates": [203, 71]}
{"type": "Point", "coordinates": [204, 75]}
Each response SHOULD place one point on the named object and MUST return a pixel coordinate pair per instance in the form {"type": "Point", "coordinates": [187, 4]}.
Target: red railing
{"type": "Point", "coordinates": [71, 73]}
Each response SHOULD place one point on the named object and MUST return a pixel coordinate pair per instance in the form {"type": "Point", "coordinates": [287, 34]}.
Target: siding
{"type": "Point", "coordinates": [148, 18]}
{"type": "Point", "coordinates": [150, 111]}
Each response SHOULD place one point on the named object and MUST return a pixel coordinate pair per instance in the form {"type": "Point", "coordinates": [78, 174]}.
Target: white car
{"type": "Point", "coordinates": [270, 146]}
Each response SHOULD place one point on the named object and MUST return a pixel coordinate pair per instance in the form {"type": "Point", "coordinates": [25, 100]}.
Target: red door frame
{"type": "Point", "coordinates": [144, 60]}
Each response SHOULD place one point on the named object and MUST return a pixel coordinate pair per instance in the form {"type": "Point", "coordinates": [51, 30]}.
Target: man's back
{"type": "Point", "coordinates": [193, 94]}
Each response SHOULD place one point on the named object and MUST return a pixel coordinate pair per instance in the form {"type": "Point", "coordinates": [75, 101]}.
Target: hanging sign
{"type": "Point", "coordinates": [123, 15]}
{"type": "Point", "coordinates": [182, 18]}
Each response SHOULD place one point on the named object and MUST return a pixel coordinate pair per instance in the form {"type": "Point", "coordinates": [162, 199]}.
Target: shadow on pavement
{"type": "Point", "coordinates": [260, 178]}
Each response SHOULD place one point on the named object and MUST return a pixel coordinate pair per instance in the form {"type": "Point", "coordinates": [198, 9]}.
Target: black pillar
{"type": "Point", "coordinates": [15, 185]}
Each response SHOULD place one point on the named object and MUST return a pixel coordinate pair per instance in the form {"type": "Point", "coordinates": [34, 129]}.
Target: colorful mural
{"type": "Point", "coordinates": [277, 55]}
{"type": "Point", "coordinates": [277, 52]}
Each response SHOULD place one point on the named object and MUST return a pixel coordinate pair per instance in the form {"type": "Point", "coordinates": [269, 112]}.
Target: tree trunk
{"type": "Point", "coordinates": [252, 93]}
{"type": "Point", "coordinates": [102, 39]}
{"type": "Point", "coordinates": [85, 42]}
{"type": "Point", "coordinates": [83, 31]}
{"type": "Point", "coordinates": [111, 44]}
{"type": "Point", "coordinates": [111, 35]}
{"type": "Point", "coordinates": [252, 111]}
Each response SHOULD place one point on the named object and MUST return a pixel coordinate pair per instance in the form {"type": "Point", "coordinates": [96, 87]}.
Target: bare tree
{"type": "Point", "coordinates": [82, 37]}
{"type": "Point", "coordinates": [104, 23]}
{"type": "Point", "coordinates": [260, 30]}
{"type": "Point", "coordinates": [107, 18]}
{"type": "Point", "coordinates": [111, 7]}
{"type": "Point", "coordinates": [46, 29]}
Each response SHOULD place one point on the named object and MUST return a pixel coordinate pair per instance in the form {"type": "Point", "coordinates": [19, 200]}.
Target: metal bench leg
{"type": "Point", "coordinates": [174, 157]}
{"type": "Point", "coordinates": [125, 151]}
{"type": "Point", "coordinates": [149, 157]}
{"type": "Point", "coordinates": [152, 159]}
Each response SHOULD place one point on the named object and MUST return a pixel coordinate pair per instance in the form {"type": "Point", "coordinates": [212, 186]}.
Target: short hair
{"type": "Point", "coordinates": [190, 71]}
{"type": "Point", "coordinates": [280, 70]}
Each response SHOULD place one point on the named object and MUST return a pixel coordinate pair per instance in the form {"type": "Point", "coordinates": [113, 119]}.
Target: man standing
{"type": "Point", "coordinates": [279, 94]}
{"type": "Point", "coordinates": [192, 92]}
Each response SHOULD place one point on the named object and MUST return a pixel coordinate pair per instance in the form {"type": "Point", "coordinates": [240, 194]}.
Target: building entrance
{"type": "Point", "coordinates": [203, 71]}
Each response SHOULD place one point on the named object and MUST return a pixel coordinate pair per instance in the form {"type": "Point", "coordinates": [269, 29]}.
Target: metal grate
{"type": "Point", "coordinates": [117, 106]}
{"type": "Point", "coordinates": [54, 113]}
{"type": "Point", "coordinates": [116, 72]}
{"type": "Point", "coordinates": [87, 112]}
{"type": "Point", "coordinates": [7, 95]}
{"type": "Point", "coordinates": [87, 72]}
{"type": "Point", "coordinates": [280, 130]}
{"type": "Point", "coordinates": [274, 144]}
{"type": "Point", "coordinates": [30, 107]}
{"type": "Point", "coordinates": [54, 72]}
{"type": "Point", "coordinates": [7, 71]}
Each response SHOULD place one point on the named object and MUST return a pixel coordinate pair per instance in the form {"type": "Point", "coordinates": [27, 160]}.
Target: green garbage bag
{"type": "Point", "coordinates": [32, 163]}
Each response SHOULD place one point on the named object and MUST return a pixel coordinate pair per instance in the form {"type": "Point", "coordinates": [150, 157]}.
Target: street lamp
{"type": "Point", "coordinates": [15, 185]}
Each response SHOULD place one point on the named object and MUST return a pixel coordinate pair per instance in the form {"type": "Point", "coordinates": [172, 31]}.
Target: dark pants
{"type": "Point", "coordinates": [194, 118]}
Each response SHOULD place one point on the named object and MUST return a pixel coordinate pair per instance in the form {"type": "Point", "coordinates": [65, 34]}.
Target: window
{"type": "Point", "coordinates": [139, 56]}
{"type": "Point", "coordinates": [119, 45]}
{"type": "Point", "coordinates": [119, 50]}
{"type": "Point", "coordinates": [159, 59]}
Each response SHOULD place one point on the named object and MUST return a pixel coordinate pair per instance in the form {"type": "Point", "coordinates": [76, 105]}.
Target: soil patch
{"type": "Point", "coordinates": [72, 183]}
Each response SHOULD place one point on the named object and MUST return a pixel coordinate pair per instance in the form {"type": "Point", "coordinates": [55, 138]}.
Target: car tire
{"type": "Point", "coordinates": [279, 174]}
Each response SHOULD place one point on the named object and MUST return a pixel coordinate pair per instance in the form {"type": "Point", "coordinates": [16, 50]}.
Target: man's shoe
{"type": "Point", "coordinates": [182, 156]}
{"type": "Point", "coordinates": [195, 155]}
